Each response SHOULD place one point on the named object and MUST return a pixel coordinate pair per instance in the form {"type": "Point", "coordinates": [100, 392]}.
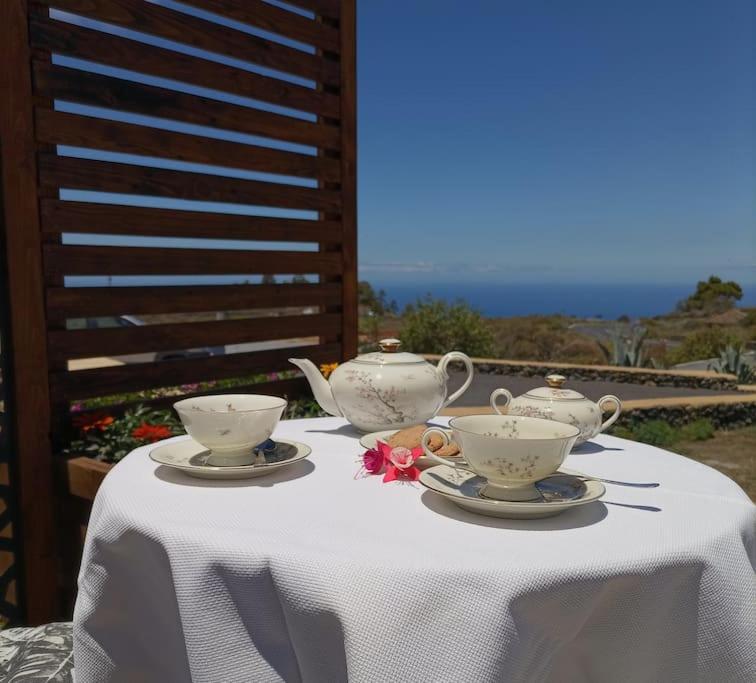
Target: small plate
{"type": "Point", "coordinates": [560, 492]}
{"type": "Point", "coordinates": [189, 456]}
{"type": "Point", "coordinates": [370, 440]}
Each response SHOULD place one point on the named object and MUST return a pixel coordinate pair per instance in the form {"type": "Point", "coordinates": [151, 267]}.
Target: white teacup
{"type": "Point", "coordinates": [510, 452]}
{"type": "Point", "coordinates": [230, 425]}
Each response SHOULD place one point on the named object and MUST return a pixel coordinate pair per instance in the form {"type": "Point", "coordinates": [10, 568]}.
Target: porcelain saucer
{"type": "Point", "coordinates": [560, 492]}
{"type": "Point", "coordinates": [189, 457]}
{"type": "Point", "coordinates": [368, 441]}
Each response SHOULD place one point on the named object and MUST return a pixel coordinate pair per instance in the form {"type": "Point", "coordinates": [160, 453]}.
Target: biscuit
{"type": "Point", "coordinates": [449, 450]}
{"type": "Point", "coordinates": [409, 437]}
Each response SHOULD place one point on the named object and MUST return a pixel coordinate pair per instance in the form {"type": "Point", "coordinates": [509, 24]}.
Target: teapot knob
{"type": "Point", "coordinates": [389, 345]}
{"type": "Point", "coordinates": [555, 381]}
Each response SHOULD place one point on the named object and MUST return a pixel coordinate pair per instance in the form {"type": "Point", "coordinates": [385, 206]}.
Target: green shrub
{"type": "Point", "coordinates": [303, 407]}
{"type": "Point", "coordinates": [712, 295]}
{"type": "Point", "coordinates": [701, 345]}
{"type": "Point", "coordinates": [434, 326]}
{"type": "Point", "coordinates": [656, 433]}
{"type": "Point", "coordinates": [698, 430]}
{"type": "Point", "coordinates": [622, 432]}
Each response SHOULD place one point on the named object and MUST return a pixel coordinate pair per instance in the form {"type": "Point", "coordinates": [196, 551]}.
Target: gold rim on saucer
{"type": "Point", "coordinates": [189, 456]}
{"type": "Point", "coordinates": [560, 492]}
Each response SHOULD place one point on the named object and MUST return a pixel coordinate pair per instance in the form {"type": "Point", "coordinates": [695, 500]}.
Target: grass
{"type": "Point", "coordinates": [731, 452]}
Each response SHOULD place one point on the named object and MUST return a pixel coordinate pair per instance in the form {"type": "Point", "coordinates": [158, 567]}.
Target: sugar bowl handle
{"type": "Point", "coordinates": [609, 398]}
{"type": "Point", "coordinates": [448, 358]}
{"type": "Point", "coordinates": [428, 453]}
{"type": "Point", "coordinates": [508, 399]}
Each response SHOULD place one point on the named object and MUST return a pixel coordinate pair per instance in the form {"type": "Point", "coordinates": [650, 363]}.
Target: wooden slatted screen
{"type": "Point", "coordinates": [222, 120]}
{"type": "Point", "coordinates": [188, 207]}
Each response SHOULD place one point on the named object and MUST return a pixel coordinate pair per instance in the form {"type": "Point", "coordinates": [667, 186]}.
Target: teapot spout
{"type": "Point", "coordinates": [321, 389]}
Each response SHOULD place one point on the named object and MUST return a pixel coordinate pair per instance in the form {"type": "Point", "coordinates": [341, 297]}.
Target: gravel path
{"type": "Point", "coordinates": [483, 385]}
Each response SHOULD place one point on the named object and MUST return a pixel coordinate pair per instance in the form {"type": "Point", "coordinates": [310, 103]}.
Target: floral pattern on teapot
{"type": "Point", "coordinates": [385, 389]}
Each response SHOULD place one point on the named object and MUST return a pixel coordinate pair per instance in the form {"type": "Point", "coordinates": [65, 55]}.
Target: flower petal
{"type": "Point", "coordinates": [391, 474]}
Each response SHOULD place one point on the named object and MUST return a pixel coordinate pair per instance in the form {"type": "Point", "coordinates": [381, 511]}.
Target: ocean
{"type": "Point", "coordinates": [608, 301]}
{"type": "Point", "coordinates": [492, 299]}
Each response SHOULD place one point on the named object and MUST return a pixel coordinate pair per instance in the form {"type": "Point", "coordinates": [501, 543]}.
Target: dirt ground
{"type": "Point", "coordinates": [731, 452]}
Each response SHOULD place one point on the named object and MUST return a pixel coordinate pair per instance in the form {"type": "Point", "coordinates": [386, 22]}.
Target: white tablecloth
{"type": "Point", "coordinates": [312, 575]}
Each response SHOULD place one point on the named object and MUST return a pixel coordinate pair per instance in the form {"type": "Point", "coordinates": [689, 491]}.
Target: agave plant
{"type": "Point", "coordinates": [731, 360]}
{"type": "Point", "coordinates": [626, 350]}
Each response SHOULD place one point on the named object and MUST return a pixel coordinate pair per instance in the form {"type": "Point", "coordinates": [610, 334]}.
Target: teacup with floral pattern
{"type": "Point", "coordinates": [511, 452]}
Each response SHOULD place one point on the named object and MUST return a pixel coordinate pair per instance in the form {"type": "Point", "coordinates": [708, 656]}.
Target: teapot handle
{"type": "Point", "coordinates": [508, 399]}
{"type": "Point", "coordinates": [609, 398]}
{"type": "Point", "coordinates": [448, 358]}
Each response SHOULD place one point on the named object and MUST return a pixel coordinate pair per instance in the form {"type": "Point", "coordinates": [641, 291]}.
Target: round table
{"type": "Point", "coordinates": [314, 574]}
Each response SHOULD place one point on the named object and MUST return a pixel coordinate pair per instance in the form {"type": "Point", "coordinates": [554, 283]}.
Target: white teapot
{"type": "Point", "coordinates": [563, 405]}
{"type": "Point", "coordinates": [385, 389]}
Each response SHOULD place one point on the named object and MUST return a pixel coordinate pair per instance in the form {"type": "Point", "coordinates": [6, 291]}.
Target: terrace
{"type": "Point", "coordinates": [179, 218]}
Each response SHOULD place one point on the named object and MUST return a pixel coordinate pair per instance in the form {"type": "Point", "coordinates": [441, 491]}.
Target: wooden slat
{"type": "Point", "coordinates": [169, 373]}
{"type": "Point", "coordinates": [114, 219]}
{"type": "Point", "coordinates": [75, 302]}
{"type": "Point", "coordinates": [71, 344]}
{"type": "Point", "coordinates": [84, 87]}
{"type": "Point", "coordinates": [85, 43]}
{"type": "Point", "coordinates": [162, 22]}
{"type": "Point", "coordinates": [62, 260]}
{"type": "Point", "coordinates": [274, 19]}
{"type": "Point", "coordinates": [56, 127]}
{"type": "Point", "coordinates": [327, 8]}
{"type": "Point", "coordinates": [291, 388]}
{"type": "Point", "coordinates": [30, 419]}
{"type": "Point", "coordinates": [81, 174]}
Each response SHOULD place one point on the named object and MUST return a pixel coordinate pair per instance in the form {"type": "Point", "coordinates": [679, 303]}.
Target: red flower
{"type": "Point", "coordinates": [372, 461]}
{"type": "Point", "coordinates": [89, 421]}
{"type": "Point", "coordinates": [151, 433]}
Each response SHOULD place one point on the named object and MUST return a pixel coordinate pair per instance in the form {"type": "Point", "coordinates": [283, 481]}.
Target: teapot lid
{"type": "Point", "coordinates": [389, 355]}
{"type": "Point", "coordinates": [554, 391]}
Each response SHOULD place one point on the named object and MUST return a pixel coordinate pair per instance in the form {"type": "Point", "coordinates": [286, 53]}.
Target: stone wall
{"type": "Point", "coordinates": [648, 377]}
{"type": "Point", "coordinates": [721, 415]}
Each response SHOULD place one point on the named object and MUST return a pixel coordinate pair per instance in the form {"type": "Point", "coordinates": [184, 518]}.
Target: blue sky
{"type": "Point", "coordinates": [519, 142]}
{"type": "Point", "coordinates": [574, 141]}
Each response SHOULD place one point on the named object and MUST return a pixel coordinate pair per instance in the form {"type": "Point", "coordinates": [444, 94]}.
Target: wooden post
{"type": "Point", "coordinates": [29, 396]}
{"type": "Point", "coordinates": [348, 34]}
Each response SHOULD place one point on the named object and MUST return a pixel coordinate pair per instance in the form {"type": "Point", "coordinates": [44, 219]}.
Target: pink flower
{"type": "Point", "coordinates": [401, 457]}
{"type": "Point", "coordinates": [400, 462]}
{"type": "Point", "coordinates": [373, 461]}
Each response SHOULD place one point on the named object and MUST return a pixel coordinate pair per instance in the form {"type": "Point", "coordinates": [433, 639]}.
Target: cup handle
{"type": "Point", "coordinates": [424, 440]}
{"type": "Point", "coordinates": [448, 358]}
{"type": "Point", "coordinates": [609, 398]}
{"type": "Point", "coordinates": [501, 392]}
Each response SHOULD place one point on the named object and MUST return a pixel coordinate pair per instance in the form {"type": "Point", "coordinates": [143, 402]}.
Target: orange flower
{"type": "Point", "coordinates": [151, 433]}
{"type": "Point", "coordinates": [328, 368]}
{"type": "Point", "coordinates": [88, 421]}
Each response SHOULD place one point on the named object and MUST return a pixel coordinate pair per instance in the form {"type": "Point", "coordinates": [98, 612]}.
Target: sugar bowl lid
{"type": "Point", "coordinates": [554, 390]}
{"type": "Point", "coordinates": [389, 355]}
